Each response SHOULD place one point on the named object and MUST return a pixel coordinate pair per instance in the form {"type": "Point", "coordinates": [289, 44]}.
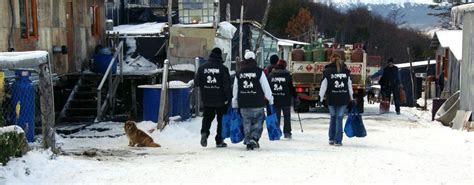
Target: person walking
{"type": "Point", "coordinates": [390, 84]}
{"type": "Point", "coordinates": [337, 86]}
{"type": "Point", "coordinates": [213, 79]}
{"type": "Point", "coordinates": [273, 61]}
{"type": "Point", "coordinates": [250, 90]}
{"type": "Point", "coordinates": [283, 92]}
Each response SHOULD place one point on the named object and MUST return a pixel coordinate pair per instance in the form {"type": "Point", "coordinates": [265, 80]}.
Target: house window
{"type": "Point", "coordinates": [95, 20]}
{"type": "Point", "coordinates": [196, 11]}
{"type": "Point", "coordinates": [28, 19]}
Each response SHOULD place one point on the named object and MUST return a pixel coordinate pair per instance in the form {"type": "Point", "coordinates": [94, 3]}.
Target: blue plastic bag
{"type": "Point", "coordinates": [354, 124]}
{"type": "Point", "coordinates": [236, 127]}
{"type": "Point", "coordinates": [274, 132]}
{"type": "Point", "coordinates": [226, 119]}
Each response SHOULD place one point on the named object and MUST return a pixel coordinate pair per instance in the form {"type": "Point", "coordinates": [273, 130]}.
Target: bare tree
{"type": "Point", "coordinates": [396, 16]}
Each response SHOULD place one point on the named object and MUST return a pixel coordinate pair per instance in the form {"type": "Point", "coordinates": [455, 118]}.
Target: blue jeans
{"type": "Point", "coordinates": [252, 120]}
{"type": "Point", "coordinates": [335, 125]}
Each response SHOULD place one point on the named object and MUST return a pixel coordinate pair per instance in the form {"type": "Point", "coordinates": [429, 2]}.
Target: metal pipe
{"type": "Point", "coordinates": [163, 97]}
{"type": "Point", "coordinates": [197, 93]}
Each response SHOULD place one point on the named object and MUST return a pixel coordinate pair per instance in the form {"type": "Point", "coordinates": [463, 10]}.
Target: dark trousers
{"type": "Point", "coordinates": [387, 91]}
{"type": "Point", "coordinates": [286, 118]}
{"type": "Point", "coordinates": [209, 114]}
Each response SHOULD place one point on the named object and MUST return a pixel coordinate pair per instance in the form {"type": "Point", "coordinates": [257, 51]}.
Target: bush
{"type": "Point", "coordinates": [12, 143]}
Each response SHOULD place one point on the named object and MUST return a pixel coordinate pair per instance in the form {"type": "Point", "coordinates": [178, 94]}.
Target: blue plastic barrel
{"type": "Point", "coordinates": [23, 103]}
{"type": "Point", "coordinates": [102, 61]}
{"type": "Point", "coordinates": [178, 99]}
{"type": "Point", "coordinates": [151, 102]}
{"type": "Point", "coordinates": [181, 105]}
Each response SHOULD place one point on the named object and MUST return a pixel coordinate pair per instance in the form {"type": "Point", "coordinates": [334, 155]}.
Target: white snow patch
{"type": "Point", "coordinates": [183, 67]}
{"type": "Point", "coordinates": [11, 128]}
{"type": "Point", "coordinates": [451, 39]}
{"type": "Point", "coordinates": [145, 28]}
{"type": "Point", "coordinates": [171, 85]}
{"type": "Point", "coordinates": [399, 149]}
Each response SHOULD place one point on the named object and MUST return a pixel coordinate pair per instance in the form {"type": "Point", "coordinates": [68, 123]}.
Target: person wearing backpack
{"type": "Point", "coordinates": [337, 87]}
{"type": "Point", "coordinates": [250, 90]}
{"type": "Point", "coordinates": [283, 92]}
{"type": "Point", "coordinates": [213, 79]}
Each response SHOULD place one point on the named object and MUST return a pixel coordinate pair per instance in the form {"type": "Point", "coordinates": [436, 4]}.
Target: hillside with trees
{"type": "Point", "coordinates": [381, 35]}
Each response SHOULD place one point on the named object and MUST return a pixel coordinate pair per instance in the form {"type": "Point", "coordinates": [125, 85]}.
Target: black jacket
{"type": "Point", "coordinates": [213, 79]}
{"type": "Point", "coordinates": [390, 77]}
{"type": "Point", "coordinates": [337, 92]}
{"type": "Point", "coordinates": [250, 93]}
{"type": "Point", "coordinates": [282, 87]}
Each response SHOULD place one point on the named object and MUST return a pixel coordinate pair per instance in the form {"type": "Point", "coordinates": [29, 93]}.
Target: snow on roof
{"type": "Point", "coordinates": [286, 42]}
{"type": "Point", "coordinates": [202, 25]}
{"type": "Point", "coordinates": [23, 59]}
{"type": "Point", "coordinates": [415, 64]}
{"type": "Point", "coordinates": [137, 29]}
{"type": "Point", "coordinates": [172, 85]}
{"type": "Point", "coordinates": [451, 39]}
{"type": "Point", "coordinates": [12, 128]}
{"type": "Point", "coordinates": [457, 12]}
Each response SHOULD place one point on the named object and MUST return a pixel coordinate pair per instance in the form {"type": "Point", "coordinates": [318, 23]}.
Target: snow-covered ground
{"type": "Point", "coordinates": [404, 149]}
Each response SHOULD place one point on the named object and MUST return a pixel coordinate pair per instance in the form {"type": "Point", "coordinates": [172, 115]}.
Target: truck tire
{"type": "Point", "coordinates": [303, 106]}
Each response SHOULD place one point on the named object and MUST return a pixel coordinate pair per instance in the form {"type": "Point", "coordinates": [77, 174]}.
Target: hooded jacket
{"type": "Point", "coordinates": [213, 79]}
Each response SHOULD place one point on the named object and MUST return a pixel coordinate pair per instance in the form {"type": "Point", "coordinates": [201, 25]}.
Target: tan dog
{"type": "Point", "coordinates": [138, 137]}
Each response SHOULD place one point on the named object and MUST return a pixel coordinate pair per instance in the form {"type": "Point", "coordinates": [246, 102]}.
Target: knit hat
{"type": "Point", "coordinates": [274, 59]}
{"type": "Point", "coordinates": [216, 54]}
{"type": "Point", "coordinates": [249, 55]}
{"type": "Point", "coordinates": [281, 64]}
{"type": "Point", "coordinates": [390, 60]}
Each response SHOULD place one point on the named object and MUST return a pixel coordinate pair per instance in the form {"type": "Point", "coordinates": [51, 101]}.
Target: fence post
{"type": "Point", "coordinates": [197, 93]}
{"type": "Point", "coordinates": [47, 107]}
{"type": "Point", "coordinates": [164, 97]}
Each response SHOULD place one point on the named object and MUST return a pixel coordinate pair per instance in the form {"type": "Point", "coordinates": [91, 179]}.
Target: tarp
{"type": "Point", "coordinates": [24, 59]}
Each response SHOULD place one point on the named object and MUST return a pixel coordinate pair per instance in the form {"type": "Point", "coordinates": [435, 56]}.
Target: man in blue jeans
{"type": "Point", "coordinates": [337, 87]}
{"type": "Point", "coordinates": [249, 93]}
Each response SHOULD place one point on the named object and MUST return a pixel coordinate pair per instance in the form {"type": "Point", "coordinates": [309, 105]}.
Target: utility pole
{"type": "Point", "coordinates": [264, 23]}
{"type": "Point", "coordinates": [227, 12]}
{"type": "Point", "coordinates": [170, 9]}
{"type": "Point", "coordinates": [411, 77]}
{"type": "Point", "coordinates": [241, 21]}
{"type": "Point", "coordinates": [427, 84]}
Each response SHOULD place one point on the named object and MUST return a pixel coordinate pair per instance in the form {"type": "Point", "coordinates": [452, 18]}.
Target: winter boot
{"type": "Point", "coordinates": [331, 142]}
{"type": "Point", "coordinates": [288, 136]}
{"type": "Point", "coordinates": [203, 140]}
{"type": "Point", "coordinates": [249, 147]}
{"type": "Point", "coordinates": [221, 144]}
{"type": "Point", "coordinates": [337, 144]}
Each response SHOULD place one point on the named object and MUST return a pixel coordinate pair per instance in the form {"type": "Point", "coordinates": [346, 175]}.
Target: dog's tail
{"type": "Point", "coordinates": [153, 144]}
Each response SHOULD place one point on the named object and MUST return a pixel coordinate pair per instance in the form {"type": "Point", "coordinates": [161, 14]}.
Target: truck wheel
{"type": "Point", "coordinates": [303, 106]}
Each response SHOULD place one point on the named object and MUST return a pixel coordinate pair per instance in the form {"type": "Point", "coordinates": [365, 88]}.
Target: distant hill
{"type": "Point", "coordinates": [415, 11]}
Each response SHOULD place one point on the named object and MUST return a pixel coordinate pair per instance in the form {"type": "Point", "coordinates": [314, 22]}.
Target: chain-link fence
{"type": "Point", "coordinates": [19, 97]}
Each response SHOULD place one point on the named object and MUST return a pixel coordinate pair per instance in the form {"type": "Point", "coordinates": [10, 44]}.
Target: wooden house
{"type": "Point", "coordinates": [69, 30]}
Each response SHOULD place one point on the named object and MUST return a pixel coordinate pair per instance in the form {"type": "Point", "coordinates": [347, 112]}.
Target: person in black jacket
{"type": "Point", "coordinates": [390, 83]}
{"type": "Point", "coordinates": [250, 93]}
{"type": "Point", "coordinates": [337, 87]}
{"type": "Point", "coordinates": [283, 92]}
{"type": "Point", "coordinates": [213, 80]}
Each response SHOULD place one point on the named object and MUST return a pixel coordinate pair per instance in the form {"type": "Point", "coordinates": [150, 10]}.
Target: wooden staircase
{"type": "Point", "coordinates": [81, 106]}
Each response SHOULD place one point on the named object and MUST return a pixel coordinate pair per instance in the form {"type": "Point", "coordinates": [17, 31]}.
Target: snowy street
{"type": "Point", "coordinates": [405, 149]}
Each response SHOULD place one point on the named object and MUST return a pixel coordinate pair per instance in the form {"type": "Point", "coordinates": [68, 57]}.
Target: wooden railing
{"type": "Point", "coordinates": [114, 81]}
